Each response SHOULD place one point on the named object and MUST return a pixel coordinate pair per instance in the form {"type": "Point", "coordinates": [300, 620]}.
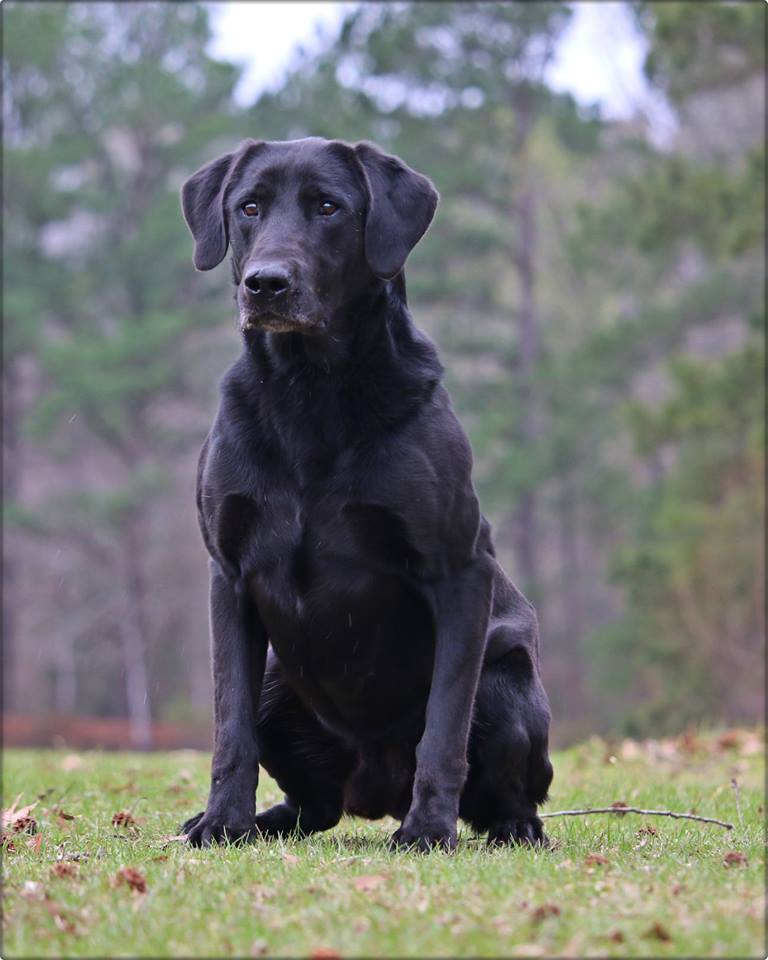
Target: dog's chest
{"type": "Point", "coordinates": [288, 547]}
{"type": "Point", "coordinates": [335, 581]}
{"type": "Point", "coordinates": [330, 581]}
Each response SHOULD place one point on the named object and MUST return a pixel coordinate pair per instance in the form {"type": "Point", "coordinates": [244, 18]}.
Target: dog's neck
{"type": "Point", "coordinates": [377, 357]}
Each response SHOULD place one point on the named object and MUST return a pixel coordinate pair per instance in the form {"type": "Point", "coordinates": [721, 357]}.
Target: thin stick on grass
{"type": "Point", "coordinates": [645, 813]}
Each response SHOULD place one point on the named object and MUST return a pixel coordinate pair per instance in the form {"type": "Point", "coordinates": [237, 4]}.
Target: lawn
{"type": "Point", "coordinates": [85, 885]}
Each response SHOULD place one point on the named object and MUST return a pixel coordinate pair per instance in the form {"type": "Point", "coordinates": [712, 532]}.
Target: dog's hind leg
{"type": "Point", "coordinates": [509, 767]}
{"type": "Point", "coordinates": [309, 763]}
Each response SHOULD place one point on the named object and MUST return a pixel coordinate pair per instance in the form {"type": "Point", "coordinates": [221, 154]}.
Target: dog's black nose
{"type": "Point", "coordinates": [269, 281]}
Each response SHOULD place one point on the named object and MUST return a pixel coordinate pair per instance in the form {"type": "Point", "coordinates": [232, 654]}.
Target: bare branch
{"type": "Point", "coordinates": [646, 813]}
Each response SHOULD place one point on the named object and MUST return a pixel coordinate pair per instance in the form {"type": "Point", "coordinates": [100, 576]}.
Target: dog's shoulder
{"type": "Point", "coordinates": [422, 473]}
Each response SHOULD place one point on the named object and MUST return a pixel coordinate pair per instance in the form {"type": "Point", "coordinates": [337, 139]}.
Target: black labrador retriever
{"type": "Point", "coordinates": [368, 650]}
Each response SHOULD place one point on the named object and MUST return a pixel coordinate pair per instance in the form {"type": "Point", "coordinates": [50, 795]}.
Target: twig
{"type": "Point", "coordinates": [735, 785]}
{"type": "Point", "coordinates": [647, 813]}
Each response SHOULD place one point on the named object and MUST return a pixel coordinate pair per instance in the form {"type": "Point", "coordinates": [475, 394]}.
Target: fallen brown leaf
{"type": "Point", "coordinates": [729, 740]}
{"type": "Point", "coordinates": [259, 948]}
{"type": "Point", "coordinates": [545, 910]}
{"type": "Point", "coordinates": [325, 953]}
{"type": "Point", "coordinates": [132, 878]}
{"type": "Point", "coordinates": [595, 859]}
{"type": "Point", "coordinates": [34, 843]}
{"type": "Point", "coordinates": [63, 870]}
{"type": "Point", "coordinates": [616, 936]}
{"type": "Point", "coordinates": [7, 844]}
{"type": "Point", "coordinates": [369, 881]}
{"type": "Point", "coordinates": [647, 828]}
{"type": "Point", "coordinates": [123, 819]}
{"type": "Point", "coordinates": [15, 813]}
{"type": "Point", "coordinates": [689, 742]}
{"type": "Point", "coordinates": [25, 825]}
{"type": "Point", "coordinates": [290, 858]}
{"type": "Point", "coordinates": [63, 819]}
{"type": "Point", "coordinates": [659, 932]}
{"type": "Point", "coordinates": [734, 858]}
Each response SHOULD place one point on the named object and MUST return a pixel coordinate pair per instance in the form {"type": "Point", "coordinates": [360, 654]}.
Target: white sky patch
{"type": "Point", "coordinates": [600, 59]}
{"type": "Point", "coordinates": [264, 38]}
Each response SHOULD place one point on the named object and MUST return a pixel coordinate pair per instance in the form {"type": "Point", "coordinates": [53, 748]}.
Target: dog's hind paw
{"type": "Point", "coordinates": [279, 821]}
{"type": "Point", "coordinates": [528, 831]}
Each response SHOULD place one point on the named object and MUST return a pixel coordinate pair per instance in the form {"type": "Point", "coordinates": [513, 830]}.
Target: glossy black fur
{"type": "Point", "coordinates": [368, 650]}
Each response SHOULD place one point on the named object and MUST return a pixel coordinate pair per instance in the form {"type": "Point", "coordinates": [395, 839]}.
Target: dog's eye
{"type": "Point", "coordinates": [327, 208]}
{"type": "Point", "coordinates": [251, 209]}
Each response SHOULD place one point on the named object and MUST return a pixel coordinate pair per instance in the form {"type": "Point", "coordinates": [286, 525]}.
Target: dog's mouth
{"type": "Point", "coordinates": [279, 313]}
{"type": "Point", "coordinates": [278, 323]}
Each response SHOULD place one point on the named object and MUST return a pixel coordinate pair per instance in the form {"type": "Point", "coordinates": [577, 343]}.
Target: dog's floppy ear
{"type": "Point", "coordinates": [400, 208]}
{"type": "Point", "coordinates": [202, 204]}
{"type": "Point", "coordinates": [202, 201]}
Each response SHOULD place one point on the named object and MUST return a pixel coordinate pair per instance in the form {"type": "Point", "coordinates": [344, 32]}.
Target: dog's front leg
{"type": "Point", "coordinates": [462, 607]}
{"type": "Point", "coordinates": [239, 650]}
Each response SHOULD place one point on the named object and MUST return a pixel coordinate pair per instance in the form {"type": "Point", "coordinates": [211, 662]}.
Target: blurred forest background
{"type": "Point", "coordinates": [597, 298]}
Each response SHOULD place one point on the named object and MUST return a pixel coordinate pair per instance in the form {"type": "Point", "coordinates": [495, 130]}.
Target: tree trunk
{"type": "Point", "coordinates": [133, 637]}
{"type": "Point", "coordinates": [524, 218]}
{"type": "Point", "coordinates": [525, 520]}
{"type": "Point", "coordinates": [571, 596]}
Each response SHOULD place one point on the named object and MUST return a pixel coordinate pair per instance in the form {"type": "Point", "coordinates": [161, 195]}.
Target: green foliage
{"type": "Point", "coordinates": [697, 46]}
{"type": "Point", "coordinates": [108, 104]}
{"type": "Point", "coordinates": [690, 567]}
{"type": "Point", "coordinates": [693, 576]}
{"type": "Point", "coordinates": [106, 108]}
{"type": "Point", "coordinates": [678, 204]}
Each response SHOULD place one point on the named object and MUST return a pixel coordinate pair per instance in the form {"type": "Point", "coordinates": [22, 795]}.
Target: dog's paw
{"type": "Point", "coordinates": [528, 831]}
{"type": "Point", "coordinates": [205, 829]}
{"type": "Point", "coordinates": [188, 824]}
{"type": "Point", "coordinates": [424, 837]}
{"type": "Point", "coordinates": [279, 821]}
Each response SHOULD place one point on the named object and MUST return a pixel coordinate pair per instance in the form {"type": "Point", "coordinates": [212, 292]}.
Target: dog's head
{"type": "Point", "coordinates": [310, 222]}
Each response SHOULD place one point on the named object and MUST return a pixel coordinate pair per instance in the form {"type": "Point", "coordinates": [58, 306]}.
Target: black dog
{"type": "Point", "coordinates": [368, 650]}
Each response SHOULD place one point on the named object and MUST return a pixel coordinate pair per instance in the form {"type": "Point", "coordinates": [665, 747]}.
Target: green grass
{"type": "Point", "coordinates": [667, 893]}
